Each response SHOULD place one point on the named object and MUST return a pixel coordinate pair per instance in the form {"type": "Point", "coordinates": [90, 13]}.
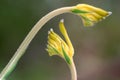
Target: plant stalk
{"type": "Point", "coordinates": [22, 48]}
{"type": "Point", "coordinates": [73, 70]}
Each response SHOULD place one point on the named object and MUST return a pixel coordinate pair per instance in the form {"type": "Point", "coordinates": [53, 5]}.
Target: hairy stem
{"type": "Point", "coordinates": [22, 48]}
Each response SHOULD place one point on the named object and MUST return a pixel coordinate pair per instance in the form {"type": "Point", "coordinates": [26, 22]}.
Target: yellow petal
{"type": "Point", "coordinates": [64, 33]}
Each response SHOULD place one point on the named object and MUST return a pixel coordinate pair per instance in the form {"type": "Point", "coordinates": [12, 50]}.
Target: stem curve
{"type": "Point", "coordinates": [22, 48]}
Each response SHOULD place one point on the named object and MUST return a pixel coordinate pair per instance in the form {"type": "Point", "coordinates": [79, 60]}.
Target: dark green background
{"type": "Point", "coordinates": [97, 49]}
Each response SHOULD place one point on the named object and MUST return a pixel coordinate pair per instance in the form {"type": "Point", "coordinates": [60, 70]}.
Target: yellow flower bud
{"type": "Point", "coordinates": [90, 14]}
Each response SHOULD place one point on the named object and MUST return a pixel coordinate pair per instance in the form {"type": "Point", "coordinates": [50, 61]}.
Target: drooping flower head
{"type": "Point", "coordinates": [90, 14]}
{"type": "Point", "coordinates": [57, 46]}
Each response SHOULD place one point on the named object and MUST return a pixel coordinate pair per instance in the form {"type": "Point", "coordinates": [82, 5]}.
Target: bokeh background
{"type": "Point", "coordinates": [97, 49]}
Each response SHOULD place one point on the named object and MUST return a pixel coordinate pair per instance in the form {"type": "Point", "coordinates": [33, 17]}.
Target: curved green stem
{"type": "Point", "coordinates": [73, 70]}
{"type": "Point", "coordinates": [22, 48]}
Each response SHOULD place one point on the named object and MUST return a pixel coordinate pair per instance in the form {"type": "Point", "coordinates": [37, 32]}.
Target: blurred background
{"type": "Point", "coordinates": [97, 49]}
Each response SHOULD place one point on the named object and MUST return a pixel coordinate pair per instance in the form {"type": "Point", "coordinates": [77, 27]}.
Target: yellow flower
{"type": "Point", "coordinates": [57, 46]}
{"type": "Point", "coordinates": [90, 14]}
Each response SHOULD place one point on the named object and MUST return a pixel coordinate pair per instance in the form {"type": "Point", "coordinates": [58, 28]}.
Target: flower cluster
{"type": "Point", "coordinates": [57, 46]}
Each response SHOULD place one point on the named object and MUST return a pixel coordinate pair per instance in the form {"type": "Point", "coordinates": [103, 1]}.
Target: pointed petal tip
{"type": "Point", "coordinates": [51, 29]}
{"type": "Point", "coordinates": [48, 32]}
{"type": "Point", "coordinates": [62, 20]}
{"type": "Point", "coordinates": [109, 12]}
